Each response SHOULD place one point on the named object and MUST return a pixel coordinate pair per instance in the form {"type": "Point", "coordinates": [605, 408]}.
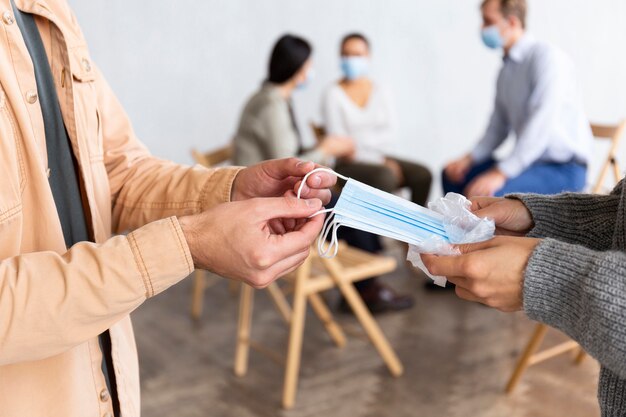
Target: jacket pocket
{"type": "Point", "coordinates": [12, 170]}
{"type": "Point", "coordinates": [86, 101]}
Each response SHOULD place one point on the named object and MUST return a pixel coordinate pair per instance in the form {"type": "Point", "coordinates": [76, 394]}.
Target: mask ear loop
{"type": "Point", "coordinates": [333, 247]}
{"type": "Point", "coordinates": [328, 170]}
{"type": "Point", "coordinates": [329, 224]}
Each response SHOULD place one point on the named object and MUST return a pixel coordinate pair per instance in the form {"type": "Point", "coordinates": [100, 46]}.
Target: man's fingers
{"type": "Point", "coordinates": [279, 269]}
{"type": "Point", "coordinates": [290, 167]}
{"type": "Point", "coordinates": [285, 207]}
{"type": "Point", "coordinates": [297, 240]}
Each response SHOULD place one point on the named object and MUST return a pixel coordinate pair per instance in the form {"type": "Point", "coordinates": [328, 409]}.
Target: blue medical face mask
{"type": "Point", "coordinates": [491, 37]}
{"type": "Point", "coordinates": [310, 76]}
{"type": "Point", "coordinates": [366, 208]}
{"type": "Point", "coordinates": [354, 67]}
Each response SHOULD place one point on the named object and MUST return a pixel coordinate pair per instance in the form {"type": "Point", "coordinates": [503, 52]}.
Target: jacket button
{"type": "Point", "coordinates": [8, 18]}
{"type": "Point", "coordinates": [104, 395]}
{"type": "Point", "coordinates": [31, 96]}
{"type": "Point", "coordinates": [86, 64]}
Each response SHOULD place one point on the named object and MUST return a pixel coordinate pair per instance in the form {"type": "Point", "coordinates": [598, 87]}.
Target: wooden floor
{"type": "Point", "coordinates": [457, 357]}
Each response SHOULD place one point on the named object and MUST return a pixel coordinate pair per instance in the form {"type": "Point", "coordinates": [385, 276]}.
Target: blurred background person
{"type": "Point", "coordinates": [267, 127]}
{"type": "Point", "coordinates": [360, 108]}
{"type": "Point", "coordinates": [537, 97]}
{"type": "Point", "coordinates": [268, 130]}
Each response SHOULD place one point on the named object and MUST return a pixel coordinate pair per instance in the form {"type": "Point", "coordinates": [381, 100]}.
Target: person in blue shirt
{"type": "Point", "coordinates": [538, 100]}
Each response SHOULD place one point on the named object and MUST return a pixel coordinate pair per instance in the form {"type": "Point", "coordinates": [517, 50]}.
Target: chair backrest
{"type": "Point", "coordinates": [614, 134]}
{"type": "Point", "coordinates": [319, 131]}
{"type": "Point", "coordinates": [212, 158]}
{"type": "Point", "coordinates": [611, 132]}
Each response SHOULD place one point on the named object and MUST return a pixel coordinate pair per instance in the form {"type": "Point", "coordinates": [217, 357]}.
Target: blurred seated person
{"type": "Point", "coordinates": [268, 130]}
{"type": "Point", "coordinates": [360, 108]}
{"type": "Point", "coordinates": [538, 99]}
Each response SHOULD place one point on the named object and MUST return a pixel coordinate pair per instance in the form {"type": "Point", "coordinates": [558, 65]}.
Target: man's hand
{"type": "Point", "coordinates": [486, 184]}
{"type": "Point", "coordinates": [457, 170]}
{"type": "Point", "coordinates": [277, 177]}
{"type": "Point", "coordinates": [237, 240]}
{"type": "Point", "coordinates": [511, 216]}
{"type": "Point", "coordinates": [490, 272]}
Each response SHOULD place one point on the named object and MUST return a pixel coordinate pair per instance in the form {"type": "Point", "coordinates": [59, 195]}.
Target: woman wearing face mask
{"type": "Point", "coordinates": [360, 108]}
{"type": "Point", "coordinates": [267, 128]}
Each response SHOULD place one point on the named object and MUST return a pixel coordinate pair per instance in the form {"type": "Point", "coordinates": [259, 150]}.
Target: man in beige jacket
{"type": "Point", "coordinates": [72, 173]}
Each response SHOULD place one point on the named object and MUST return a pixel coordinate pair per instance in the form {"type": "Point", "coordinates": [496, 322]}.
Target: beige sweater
{"type": "Point", "coordinates": [266, 130]}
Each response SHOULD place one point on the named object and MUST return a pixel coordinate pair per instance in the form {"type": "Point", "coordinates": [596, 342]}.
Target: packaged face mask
{"type": "Point", "coordinates": [448, 221]}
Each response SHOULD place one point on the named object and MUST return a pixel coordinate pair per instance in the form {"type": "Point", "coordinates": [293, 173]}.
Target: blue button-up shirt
{"type": "Point", "coordinates": [537, 97]}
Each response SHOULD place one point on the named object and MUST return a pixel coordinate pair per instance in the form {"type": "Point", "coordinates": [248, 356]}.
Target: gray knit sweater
{"type": "Point", "coordinates": [576, 279]}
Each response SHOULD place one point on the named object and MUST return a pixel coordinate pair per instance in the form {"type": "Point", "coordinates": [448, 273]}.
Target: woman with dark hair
{"type": "Point", "coordinates": [361, 109]}
{"type": "Point", "coordinates": [268, 128]}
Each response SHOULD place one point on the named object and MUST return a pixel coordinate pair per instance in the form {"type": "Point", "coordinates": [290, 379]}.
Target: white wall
{"type": "Point", "coordinates": [183, 69]}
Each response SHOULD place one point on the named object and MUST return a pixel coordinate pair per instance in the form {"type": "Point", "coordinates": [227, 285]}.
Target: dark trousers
{"type": "Point", "coordinates": [416, 177]}
{"type": "Point", "coordinates": [539, 178]}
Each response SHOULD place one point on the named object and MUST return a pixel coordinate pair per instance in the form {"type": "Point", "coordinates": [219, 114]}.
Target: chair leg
{"type": "Point", "coordinates": [294, 349]}
{"type": "Point", "coordinates": [522, 363]}
{"type": "Point", "coordinates": [234, 286]}
{"type": "Point", "coordinates": [197, 295]}
{"type": "Point", "coordinates": [326, 317]}
{"type": "Point", "coordinates": [372, 329]}
{"type": "Point", "coordinates": [616, 171]}
{"type": "Point", "coordinates": [600, 181]}
{"type": "Point", "coordinates": [246, 302]}
{"type": "Point", "coordinates": [580, 356]}
{"type": "Point", "coordinates": [280, 301]}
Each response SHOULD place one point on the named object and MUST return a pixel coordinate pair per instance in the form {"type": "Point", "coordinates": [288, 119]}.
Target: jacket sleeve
{"type": "Point", "coordinates": [581, 219]}
{"type": "Point", "coordinates": [52, 302]}
{"type": "Point", "coordinates": [582, 293]}
{"type": "Point", "coordinates": [145, 188]}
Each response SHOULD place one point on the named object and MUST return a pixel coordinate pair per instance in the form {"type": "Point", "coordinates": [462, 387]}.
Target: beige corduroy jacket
{"type": "Point", "coordinates": [54, 302]}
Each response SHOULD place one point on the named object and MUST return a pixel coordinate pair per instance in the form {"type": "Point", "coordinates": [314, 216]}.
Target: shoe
{"type": "Point", "coordinates": [431, 286]}
{"type": "Point", "coordinates": [379, 298]}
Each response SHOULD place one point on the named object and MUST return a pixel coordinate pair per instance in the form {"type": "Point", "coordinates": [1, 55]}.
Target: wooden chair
{"type": "Point", "coordinates": [207, 159]}
{"type": "Point", "coordinates": [309, 280]}
{"type": "Point", "coordinates": [530, 356]}
{"type": "Point", "coordinates": [613, 134]}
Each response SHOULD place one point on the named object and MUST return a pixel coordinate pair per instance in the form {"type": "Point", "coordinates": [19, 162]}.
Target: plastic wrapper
{"type": "Point", "coordinates": [461, 225]}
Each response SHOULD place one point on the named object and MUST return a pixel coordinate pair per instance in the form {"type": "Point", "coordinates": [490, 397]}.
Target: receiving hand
{"type": "Point", "coordinates": [490, 273]}
{"type": "Point", "coordinates": [237, 240]}
{"type": "Point", "coordinates": [486, 184]}
{"type": "Point", "coordinates": [511, 216]}
{"type": "Point", "coordinates": [457, 170]}
{"type": "Point", "coordinates": [277, 177]}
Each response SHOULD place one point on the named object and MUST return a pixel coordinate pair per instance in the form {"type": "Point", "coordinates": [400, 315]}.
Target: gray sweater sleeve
{"type": "Point", "coordinates": [582, 219]}
{"type": "Point", "coordinates": [583, 293]}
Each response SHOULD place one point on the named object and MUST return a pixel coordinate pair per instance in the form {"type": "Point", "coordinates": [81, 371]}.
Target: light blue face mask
{"type": "Point", "coordinates": [491, 37]}
{"type": "Point", "coordinates": [354, 67]}
{"type": "Point", "coordinates": [310, 76]}
{"type": "Point", "coordinates": [369, 209]}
